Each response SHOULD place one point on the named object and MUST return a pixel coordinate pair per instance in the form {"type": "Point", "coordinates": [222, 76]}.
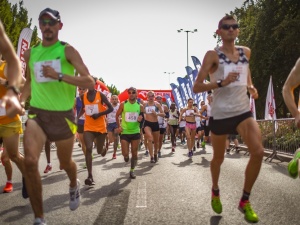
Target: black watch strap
{"type": "Point", "coordinates": [219, 82]}
{"type": "Point", "coordinates": [60, 77]}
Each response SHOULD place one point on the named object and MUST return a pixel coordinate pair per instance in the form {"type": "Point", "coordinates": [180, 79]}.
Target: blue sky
{"type": "Point", "coordinates": [133, 42]}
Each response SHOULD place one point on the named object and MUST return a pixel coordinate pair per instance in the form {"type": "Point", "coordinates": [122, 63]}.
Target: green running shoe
{"type": "Point", "coordinates": [203, 144]}
{"type": "Point", "coordinates": [250, 215]}
{"type": "Point", "coordinates": [216, 204]}
{"type": "Point", "coordinates": [293, 165]}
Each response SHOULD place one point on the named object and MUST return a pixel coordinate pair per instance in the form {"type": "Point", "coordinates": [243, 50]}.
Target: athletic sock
{"type": "Point", "coordinates": [216, 192]}
{"type": "Point", "coordinates": [245, 196]}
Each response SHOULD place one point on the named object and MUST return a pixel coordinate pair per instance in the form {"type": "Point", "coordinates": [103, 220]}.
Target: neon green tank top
{"type": "Point", "coordinates": [48, 94]}
{"type": "Point", "coordinates": [129, 118]}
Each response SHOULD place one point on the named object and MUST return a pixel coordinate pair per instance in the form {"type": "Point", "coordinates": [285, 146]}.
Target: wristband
{"type": "Point", "coordinates": [14, 89]}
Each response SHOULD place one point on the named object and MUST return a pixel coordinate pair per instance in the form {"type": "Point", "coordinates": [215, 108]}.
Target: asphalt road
{"type": "Point", "coordinates": [176, 190]}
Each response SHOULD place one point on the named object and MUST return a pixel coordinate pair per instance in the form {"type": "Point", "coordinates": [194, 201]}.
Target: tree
{"type": "Point", "coordinates": [271, 29]}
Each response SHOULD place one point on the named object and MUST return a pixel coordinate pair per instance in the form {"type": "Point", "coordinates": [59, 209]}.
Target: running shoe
{"type": "Point", "coordinates": [146, 153]}
{"type": "Point", "coordinates": [198, 145]}
{"type": "Point", "coordinates": [114, 156]}
{"type": "Point", "coordinates": [228, 150]}
{"type": "Point", "coordinates": [190, 154]}
{"type": "Point", "coordinates": [293, 165]}
{"type": "Point", "coordinates": [89, 181]}
{"type": "Point", "coordinates": [39, 221]}
{"type": "Point", "coordinates": [159, 154]}
{"type": "Point", "coordinates": [250, 215]}
{"type": "Point", "coordinates": [216, 204]}
{"type": "Point", "coordinates": [24, 190]}
{"type": "Point", "coordinates": [74, 196]}
{"type": "Point", "coordinates": [132, 175]}
{"type": "Point", "coordinates": [194, 148]}
{"type": "Point", "coordinates": [48, 169]}
{"type": "Point", "coordinates": [173, 149]}
{"type": "Point", "coordinates": [203, 144]}
{"type": "Point", "coordinates": [8, 187]}
{"type": "Point", "coordinates": [152, 160]}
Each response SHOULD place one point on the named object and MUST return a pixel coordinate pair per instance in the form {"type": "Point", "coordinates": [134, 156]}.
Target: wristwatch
{"type": "Point", "coordinates": [60, 77]}
{"type": "Point", "coordinates": [219, 83]}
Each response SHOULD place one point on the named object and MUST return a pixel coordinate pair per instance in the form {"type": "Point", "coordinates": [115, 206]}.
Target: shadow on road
{"type": "Point", "coordinates": [215, 220]}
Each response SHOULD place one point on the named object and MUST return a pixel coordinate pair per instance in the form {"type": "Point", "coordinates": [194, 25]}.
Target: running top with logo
{"type": "Point", "coordinates": [3, 118]}
{"type": "Point", "coordinates": [90, 124]}
{"type": "Point", "coordinates": [173, 120]}
{"type": "Point", "coordinates": [130, 114]}
{"type": "Point", "coordinates": [111, 117]}
{"type": "Point", "coordinates": [80, 120]}
{"type": "Point", "coordinates": [161, 120]}
{"type": "Point", "coordinates": [231, 100]}
{"type": "Point", "coordinates": [46, 93]}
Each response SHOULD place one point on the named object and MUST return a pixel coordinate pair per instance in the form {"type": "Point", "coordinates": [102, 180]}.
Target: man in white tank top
{"type": "Point", "coordinates": [230, 78]}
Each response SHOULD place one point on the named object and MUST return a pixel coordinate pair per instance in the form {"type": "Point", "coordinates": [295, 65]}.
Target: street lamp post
{"type": "Point", "coordinates": [187, 42]}
{"type": "Point", "coordinates": [169, 73]}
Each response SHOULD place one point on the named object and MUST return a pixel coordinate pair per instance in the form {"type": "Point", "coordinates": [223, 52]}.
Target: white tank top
{"type": "Point", "coordinates": [111, 117]}
{"type": "Point", "coordinates": [231, 100]}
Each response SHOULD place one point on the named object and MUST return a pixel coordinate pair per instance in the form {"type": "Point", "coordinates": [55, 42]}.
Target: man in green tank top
{"type": "Point", "coordinates": [132, 115]}
{"type": "Point", "coordinates": [51, 82]}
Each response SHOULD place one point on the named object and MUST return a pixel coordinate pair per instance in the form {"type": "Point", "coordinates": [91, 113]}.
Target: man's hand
{"type": "Point", "coordinates": [11, 101]}
{"type": "Point", "coordinates": [48, 71]}
{"type": "Point", "coordinates": [95, 116]}
{"type": "Point", "coordinates": [253, 92]}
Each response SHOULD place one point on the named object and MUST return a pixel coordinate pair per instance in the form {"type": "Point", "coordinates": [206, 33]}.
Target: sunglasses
{"type": "Point", "coordinates": [132, 93]}
{"type": "Point", "coordinates": [228, 26]}
{"type": "Point", "coordinates": [50, 22]}
{"type": "Point", "coordinates": [81, 89]}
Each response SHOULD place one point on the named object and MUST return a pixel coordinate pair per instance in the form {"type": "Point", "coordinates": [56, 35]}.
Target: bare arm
{"type": "Point", "coordinates": [289, 86]}
{"type": "Point", "coordinates": [252, 90]}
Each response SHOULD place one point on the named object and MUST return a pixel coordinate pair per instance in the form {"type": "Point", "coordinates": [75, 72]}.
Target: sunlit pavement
{"type": "Point", "coordinates": [176, 190]}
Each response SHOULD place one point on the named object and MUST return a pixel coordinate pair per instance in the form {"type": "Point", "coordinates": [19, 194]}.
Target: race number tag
{"type": "Point", "coordinates": [2, 110]}
{"type": "Point", "coordinates": [150, 109]}
{"type": "Point", "coordinates": [91, 109]}
{"type": "Point", "coordinates": [38, 70]}
{"type": "Point", "coordinates": [243, 73]}
{"type": "Point", "coordinates": [131, 116]}
{"type": "Point", "coordinates": [189, 112]}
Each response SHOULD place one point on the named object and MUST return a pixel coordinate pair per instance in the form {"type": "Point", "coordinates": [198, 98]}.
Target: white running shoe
{"type": "Point", "coordinates": [75, 196]}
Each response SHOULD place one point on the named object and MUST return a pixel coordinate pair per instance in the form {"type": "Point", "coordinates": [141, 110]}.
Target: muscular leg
{"type": "Point", "coordinates": [88, 140]}
{"type": "Point", "coordinates": [125, 149]}
{"type": "Point", "coordinates": [250, 133]}
{"type": "Point", "coordinates": [83, 147]}
{"type": "Point", "coordinates": [12, 148]}
{"type": "Point", "coordinates": [149, 137]}
{"type": "Point", "coordinates": [188, 138]}
{"type": "Point", "coordinates": [218, 143]}
{"type": "Point", "coordinates": [34, 140]}
{"type": "Point", "coordinates": [7, 164]}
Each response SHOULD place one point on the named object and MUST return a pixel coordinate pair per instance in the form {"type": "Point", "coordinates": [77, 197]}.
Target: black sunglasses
{"type": "Point", "coordinates": [228, 26]}
{"type": "Point", "coordinates": [131, 93]}
{"type": "Point", "coordinates": [50, 22]}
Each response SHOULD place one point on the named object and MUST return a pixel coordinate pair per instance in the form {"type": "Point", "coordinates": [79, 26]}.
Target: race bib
{"type": "Point", "coordinates": [131, 116]}
{"type": "Point", "coordinates": [38, 70]}
{"type": "Point", "coordinates": [189, 112]}
{"type": "Point", "coordinates": [243, 74]}
{"type": "Point", "coordinates": [91, 109]}
{"type": "Point", "coordinates": [150, 109]}
{"type": "Point", "coordinates": [2, 110]}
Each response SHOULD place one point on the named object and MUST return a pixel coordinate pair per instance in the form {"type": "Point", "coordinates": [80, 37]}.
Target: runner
{"type": "Point", "coordinates": [228, 68]}
{"type": "Point", "coordinates": [113, 136]}
{"type": "Point", "coordinates": [51, 83]}
{"type": "Point", "coordinates": [94, 126]}
{"type": "Point", "coordinates": [162, 124]}
{"type": "Point", "coordinates": [173, 124]}
{"type": "Point", "coordinates": [132, 113]}
{"type": "Point", "coordinates": [190, 128]}
{"type": "Point", "coordinates": [151, 127]}
{"type": "Point", "coordinates": [181, 129]}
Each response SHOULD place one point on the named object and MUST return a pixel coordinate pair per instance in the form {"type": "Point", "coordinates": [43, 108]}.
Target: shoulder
{"type": "Point", "coordinates": [246, 50]}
